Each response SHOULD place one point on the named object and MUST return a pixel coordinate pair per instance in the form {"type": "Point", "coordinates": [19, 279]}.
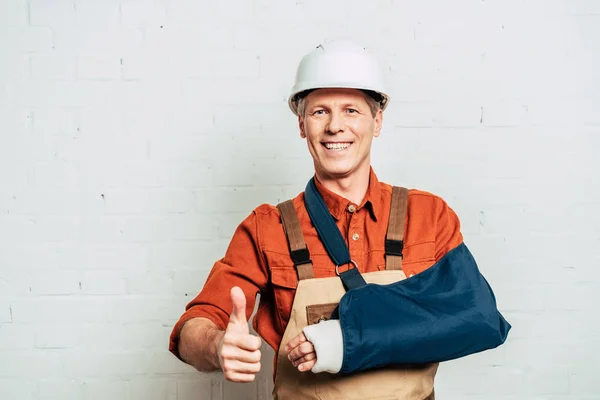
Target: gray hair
{"type": "Point", "coordinates": [374, 104]}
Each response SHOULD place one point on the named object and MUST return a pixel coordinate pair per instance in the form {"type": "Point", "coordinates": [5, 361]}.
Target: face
{"type": "Point", "coordinates": [339, 129]}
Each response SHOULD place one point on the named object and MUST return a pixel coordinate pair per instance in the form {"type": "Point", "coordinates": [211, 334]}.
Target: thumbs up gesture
{"type": "Point", "coordinates": [238, 350]}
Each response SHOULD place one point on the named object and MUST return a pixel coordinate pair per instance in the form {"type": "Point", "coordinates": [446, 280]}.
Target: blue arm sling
{"type": "Point", "coordinates": [446, 312]}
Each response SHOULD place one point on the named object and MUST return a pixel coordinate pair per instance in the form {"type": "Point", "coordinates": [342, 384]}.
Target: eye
{"type": "Point", "coordinates": [319, 112]}
{"type": "Point", "coordinates": [352, 111]}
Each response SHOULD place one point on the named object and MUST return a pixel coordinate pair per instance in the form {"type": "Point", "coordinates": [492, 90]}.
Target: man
{"type": "Point", "coordinates": [339, 99]}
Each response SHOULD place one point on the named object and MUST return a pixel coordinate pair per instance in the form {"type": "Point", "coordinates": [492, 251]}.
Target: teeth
{"type": "Point", "coordinates": [337, 146]}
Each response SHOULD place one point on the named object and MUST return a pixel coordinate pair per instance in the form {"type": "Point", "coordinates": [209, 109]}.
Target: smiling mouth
{"type": "Point", "coordinates": [336, 146]}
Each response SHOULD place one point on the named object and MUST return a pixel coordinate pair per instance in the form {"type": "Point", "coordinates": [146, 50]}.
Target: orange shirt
{"type": "Point", "coordinates": [258, 259]}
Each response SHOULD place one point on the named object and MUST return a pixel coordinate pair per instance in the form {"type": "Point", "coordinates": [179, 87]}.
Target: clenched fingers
{"type": "Point", "coordinates": [234, 353]}
{"type": "Point", "coordinates": [307, 366]}
{"type": "Point", "coordinates": [239, 367]}
{"type": "Point", "coordinates": [295, 342]}
{"type": "Point", "coordinates": [300, 351]}
{"type": "Point", "coordinates": [246, 342]}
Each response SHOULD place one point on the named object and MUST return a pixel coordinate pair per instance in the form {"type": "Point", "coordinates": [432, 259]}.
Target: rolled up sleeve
{"type": "Point", "coordinates": [244, 266]}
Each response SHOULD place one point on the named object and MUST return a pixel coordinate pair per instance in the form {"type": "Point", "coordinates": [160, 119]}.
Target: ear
{"type": "Point", "coordinates": [378, 123]}
{"type": "Point", "coordinates": [301, 127]}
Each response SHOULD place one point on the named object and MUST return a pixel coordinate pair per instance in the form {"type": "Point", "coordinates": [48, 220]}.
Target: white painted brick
{"type": "Point", "coordinates": [58, 309]}
{"type": "Point", "coordinates": [128, 336]}
{"type": "Point", "coordinates": [100, 390]}
{"type": "Point", "coordinates": [32, 364]}
{"type": "Point", "coordinates": [52, 14]}
{"type": "Point", "coordinates": [56, 201]}
{"type": "Point", "coordinates": [5, 311]}
{"type": "Point", "coordinates": [55, 121]}
{"type": "Point", "coordinates": [16, 336]}
{"type": "Point", "coordinates": [185, 255]}
{"type": "Point", "coordinates": [243, 90]}
{"type": "Point", "coordinates": [44, 93]}
{"type": "Point", "coordinates": [98, 66]}
{"type": "Point", "coordinates": [102, 230]}
{"type": "Point", "coordinates": [17, 67]}
{"type": "Point", "coordinates": [447, 114]}
{"type": "Point", "coordinates": [237, 119]}
{"type": "Point", "coordinates": [581, 7]}
{"type": "Point", "coordinates": [93, 364]}
{"type": "Point", "coordinates": [190, 282]}
{"type": "Point", "coordinates": [42, 151]}
{"type": "Point", "coordinates": [294, 171]}
{"type": "Point", "coordinates": [190, 148]}
{"type": "Point", "coordinates": [234, 199]}
{"type": "Point", "coordinates": [103, 283]}
{"type": "Point", "coordinates": [56, 335]}
{"type": "Point", "coordinates": [22, 389]}
{"type": "Point", "coordinates": [231, 389]}
{"type": "Point", "coordinates": [55, 65]}
{"type": "Point", "coordinates": [15, 281]}
{"type": "Point", "coordinates": [499, 380]}
{"type": "Point", "coordinates": [112, 256]}
{"type": "Point", "coordinates": [552, 380]}
{"type": "Point", "coordinates": [15, 178]}
{"type": "Point", "coordinates": [227, 224]}
{"type": "Point", "coordinates": [25, 40]}
{"type": "Point", "coordinates": [60, 389]}
{"type": "Point", "coordinates": [56, 175]}
{"type": "Point", "coordinates": [147, 201]}
{"type": "Point", "coordinates": [164, 363]}
{"type": "Point", "coordinates": [16, 122]}
{"type": "Point", "coordinates": [15, 229]}
{"type": "Point", "coordinates": [13, 13]}
{"type": "Point", "coordinates": [150, 282]}
{"type": "Point", "coordinates": [582, 383]}
{"type": "Point", "coordinates": [153, 389]}
{"type": "Point", "coordinates": [92, 154]}
{"type": "Point", "coordinates": [144, 308]}
{"type": "Point", "coordinates": [97, 15]}
{"type": "Point", "coordinates": [583, 295]}
{"type": "Point", "coordinates": [152, 13]}
{"type": "Point", "coordinates": [46, 282]}
{"type": "Point", "coordinates": [54, 229]}
{"type": "Point", "coordinates": [236, 65]}
{"type": "Point", "coordinates": [197, 388]}
{"type": "Point", "coordinates": [112, 40]}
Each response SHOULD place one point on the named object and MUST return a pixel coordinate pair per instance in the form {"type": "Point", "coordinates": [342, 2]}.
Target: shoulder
{"type": "Point", "coordinates": [268, 214]}
{"type": "Point", "coordinates": [426, 200]}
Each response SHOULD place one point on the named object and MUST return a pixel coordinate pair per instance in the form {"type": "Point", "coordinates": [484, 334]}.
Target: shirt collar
{"type": "Point", "coordinates": [337, 204]}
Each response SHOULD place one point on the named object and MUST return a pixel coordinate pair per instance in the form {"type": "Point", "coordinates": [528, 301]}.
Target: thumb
{"type": "Point", "coordinates": [238, 312]}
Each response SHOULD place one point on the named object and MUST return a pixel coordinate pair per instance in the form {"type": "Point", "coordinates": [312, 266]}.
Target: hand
{"type": "Point", "coordinates": [238, 350]}
{"type": "Point", "coordinates": [301, 353]}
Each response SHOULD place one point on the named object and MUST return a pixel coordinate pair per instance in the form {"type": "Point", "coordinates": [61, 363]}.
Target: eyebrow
{"type": "Point", "coordinates": [344, 105]}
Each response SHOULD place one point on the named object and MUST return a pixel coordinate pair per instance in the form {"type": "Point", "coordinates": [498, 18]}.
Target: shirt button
{"type": "Point", "coordinates": [351, 208]}
{"type": "Point", "coordinates": [355, 236]}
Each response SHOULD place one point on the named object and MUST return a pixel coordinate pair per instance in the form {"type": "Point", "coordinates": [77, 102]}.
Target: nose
{"type": "Point", "coordinates": [336, 123]}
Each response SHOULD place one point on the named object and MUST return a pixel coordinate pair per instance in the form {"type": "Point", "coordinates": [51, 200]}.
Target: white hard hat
{"type": "Point", "coordinates": [338, 64]}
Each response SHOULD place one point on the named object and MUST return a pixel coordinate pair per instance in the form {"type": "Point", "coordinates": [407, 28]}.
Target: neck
{"type": "Point", "coordinates": [352, 187]}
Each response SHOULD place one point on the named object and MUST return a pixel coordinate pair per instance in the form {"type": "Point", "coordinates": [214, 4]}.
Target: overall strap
{"type": "Point", "coordinates": [298, 250]}
{"type": "Point", "coordinates": [394, 240]}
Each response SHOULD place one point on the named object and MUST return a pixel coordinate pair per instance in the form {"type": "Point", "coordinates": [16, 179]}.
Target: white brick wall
{"type": "Point", "coordinates": [136, 134]}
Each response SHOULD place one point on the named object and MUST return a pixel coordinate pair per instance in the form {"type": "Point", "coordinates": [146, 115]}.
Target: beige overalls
{"type": "Point", "coordinates": [315, 300]}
